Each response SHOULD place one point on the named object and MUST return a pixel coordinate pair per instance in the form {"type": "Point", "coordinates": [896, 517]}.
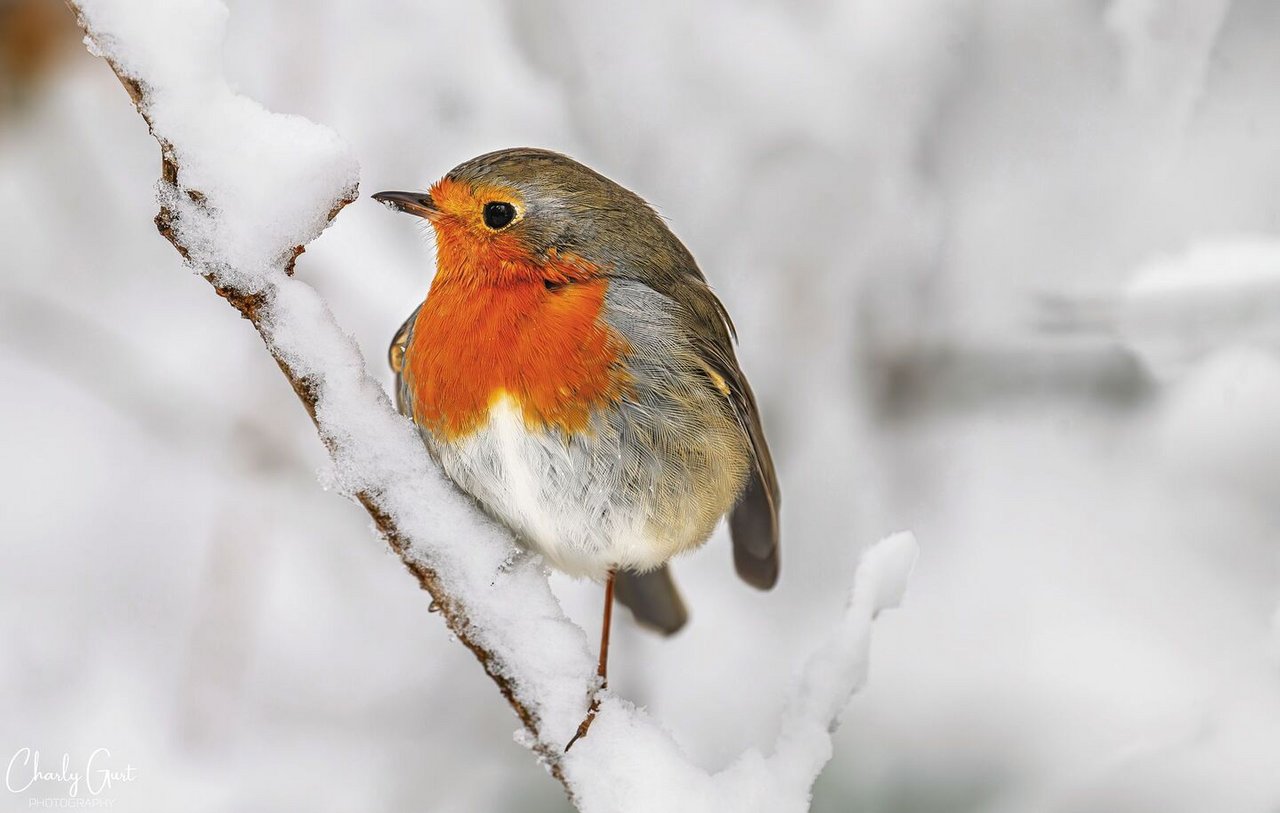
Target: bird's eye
{"type": "Point", "coordinates": [498, 214]}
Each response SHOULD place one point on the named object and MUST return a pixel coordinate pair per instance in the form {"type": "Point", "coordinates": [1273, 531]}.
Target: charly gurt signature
{"type": "Point", "coordinates": [26, 773]}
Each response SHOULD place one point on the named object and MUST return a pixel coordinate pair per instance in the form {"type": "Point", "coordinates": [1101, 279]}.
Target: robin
{"type": "Point", "coordinates": [571, 370]}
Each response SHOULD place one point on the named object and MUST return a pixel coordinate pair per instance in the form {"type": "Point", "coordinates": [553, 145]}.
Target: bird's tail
{"type": "Point", "coordinates": [653, 599]}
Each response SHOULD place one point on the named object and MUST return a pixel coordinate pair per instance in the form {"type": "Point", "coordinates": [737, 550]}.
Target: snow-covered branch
{"type": "Point", "coordinates": [243, 191]}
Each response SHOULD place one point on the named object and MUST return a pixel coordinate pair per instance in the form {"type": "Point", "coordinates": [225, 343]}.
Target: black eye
{"type": "Point", "coordinates": [498, 214]}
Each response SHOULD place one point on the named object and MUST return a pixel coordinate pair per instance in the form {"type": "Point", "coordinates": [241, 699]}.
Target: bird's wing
{"type": "Point", "coordinates": [395, 357]}
{"type": "Point", "coordinates": [753, 522]}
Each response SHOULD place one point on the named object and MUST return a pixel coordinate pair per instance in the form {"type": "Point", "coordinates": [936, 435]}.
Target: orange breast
{"type": "Point", "coordinates": [548, 350]}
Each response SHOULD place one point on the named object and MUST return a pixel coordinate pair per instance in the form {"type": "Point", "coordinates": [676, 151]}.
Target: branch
{"type": "Point", "coordinates": [242, 192]}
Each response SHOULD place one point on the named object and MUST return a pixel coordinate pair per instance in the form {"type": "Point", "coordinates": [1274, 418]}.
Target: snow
{"type": "Point", "coordinates": [1219, 423]}
{"type": "Point", "coordinates": [839, 666]}
{"type": "Point", "coordinates": [1177, 310]}
{"type": "Point", "coordinates": [266, 182]}
{"type": "Point", "coordinates": [1220, 293]}
{"type": "Point", "coordinates": [882, 194]}
{"type": "Point", "coordinates": [634, 767]}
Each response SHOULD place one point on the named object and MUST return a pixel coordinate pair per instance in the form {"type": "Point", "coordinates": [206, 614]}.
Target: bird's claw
{"type": "Point", "coordinates": [585, 724]}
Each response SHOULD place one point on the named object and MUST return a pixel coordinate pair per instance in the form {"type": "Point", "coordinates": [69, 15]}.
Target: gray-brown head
{"type": "Point", "coordinates": [531, 204]}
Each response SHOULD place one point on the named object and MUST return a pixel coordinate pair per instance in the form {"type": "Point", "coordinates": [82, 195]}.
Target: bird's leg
{"type": "Point", "coordinates": [602, 668]}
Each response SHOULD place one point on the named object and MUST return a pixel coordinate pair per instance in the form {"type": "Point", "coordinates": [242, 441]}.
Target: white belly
{"type": "Point", "coordinates": [570, 500]}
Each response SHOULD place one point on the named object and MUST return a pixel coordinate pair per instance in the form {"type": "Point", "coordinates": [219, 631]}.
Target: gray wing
{"type": "Point", "coordinates": [395, 358]}
{"type": "Point", "coordinates": [753, 522]}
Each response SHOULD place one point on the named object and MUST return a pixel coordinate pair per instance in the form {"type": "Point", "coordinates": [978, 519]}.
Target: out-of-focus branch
{"type": "Point", "coordinates": [242, 192]}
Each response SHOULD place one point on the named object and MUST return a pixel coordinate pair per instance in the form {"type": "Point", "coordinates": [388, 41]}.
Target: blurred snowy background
{"type": "Point", "coordinates": [1006, 274]}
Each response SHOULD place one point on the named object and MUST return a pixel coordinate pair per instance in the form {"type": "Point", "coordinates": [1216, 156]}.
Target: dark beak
{"type": "Point", "coordinates": [413, 203]}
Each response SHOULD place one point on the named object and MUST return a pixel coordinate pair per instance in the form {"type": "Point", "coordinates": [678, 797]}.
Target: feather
{"type": "Point", "coordinates": [653, 599]}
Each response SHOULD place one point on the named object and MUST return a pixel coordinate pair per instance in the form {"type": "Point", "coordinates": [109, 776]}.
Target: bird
{"type": "Point", "coordinates": [571, 370]}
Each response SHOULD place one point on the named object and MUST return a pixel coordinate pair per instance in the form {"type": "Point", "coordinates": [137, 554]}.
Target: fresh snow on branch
{"type": "Point", "coordinates": [244, 190]}
{"type": "Point", "coordinates": [1177, 310]}
{"type": "Point", "coordinates": [635, 766]}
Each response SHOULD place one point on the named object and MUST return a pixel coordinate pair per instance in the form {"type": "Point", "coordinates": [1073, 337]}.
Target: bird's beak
{"type": "Point", "coordinates": [413, 203]}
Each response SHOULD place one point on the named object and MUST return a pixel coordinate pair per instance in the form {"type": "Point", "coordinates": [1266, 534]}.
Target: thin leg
{"type": "Point", "coordinates": [602, 668]}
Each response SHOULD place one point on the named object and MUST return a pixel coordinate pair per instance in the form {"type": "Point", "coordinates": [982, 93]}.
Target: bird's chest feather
{"type": "Point", "coordinates": [545, 351]}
